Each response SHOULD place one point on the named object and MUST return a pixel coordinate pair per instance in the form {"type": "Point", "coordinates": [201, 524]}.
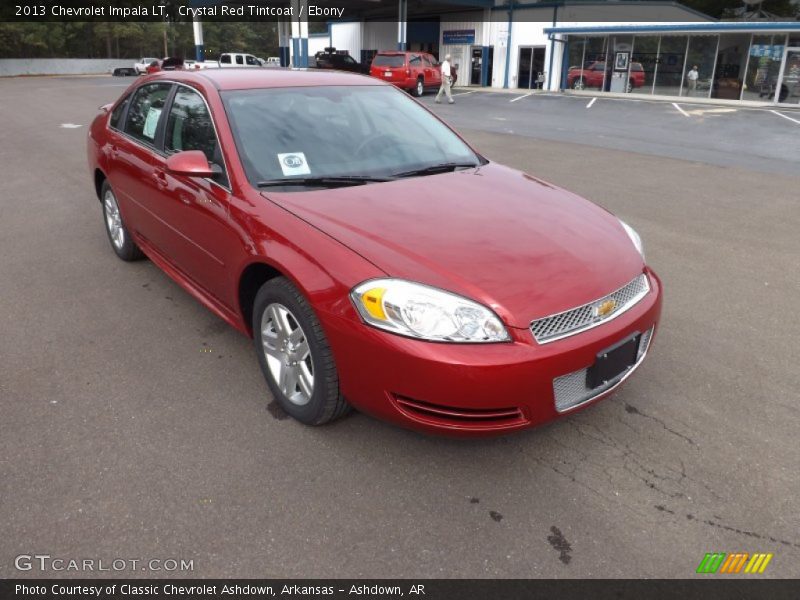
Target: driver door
{"type": "Point", "coordinates": [196, 210]}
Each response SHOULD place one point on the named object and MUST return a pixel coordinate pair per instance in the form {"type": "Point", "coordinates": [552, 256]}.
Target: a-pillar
{"type": "Point", "coordinates": [299, 33]}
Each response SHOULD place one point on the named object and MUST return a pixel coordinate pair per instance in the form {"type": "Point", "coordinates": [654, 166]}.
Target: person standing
{"type": "Point", "coordinates": [447, 81]}
{"type": "Point", "coordinates": [691, 80]}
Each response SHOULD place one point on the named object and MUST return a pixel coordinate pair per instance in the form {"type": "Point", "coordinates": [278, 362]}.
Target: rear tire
{"type": "Point", "coordinates": [294, 355]}
{"type": "Point", "coordinates": [118, 234]}
{"type": "Point", "coordinates": [419, 89]}
{"type": "Point", "coordinates": [579, 84]}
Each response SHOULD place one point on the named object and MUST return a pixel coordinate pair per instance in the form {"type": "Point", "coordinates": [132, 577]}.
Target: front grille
{"type": "Point", "coordinates": [570, 390]}
{"type": "Point", "coordinates": [475, 417]}
{"type": "Point", "coordinates": [570, 322]}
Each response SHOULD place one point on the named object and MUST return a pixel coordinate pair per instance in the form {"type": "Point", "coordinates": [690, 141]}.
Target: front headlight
{"type": "Point", "coordinates": [425, 312]}
{"type": "Point", "coordinates": [635, 237]}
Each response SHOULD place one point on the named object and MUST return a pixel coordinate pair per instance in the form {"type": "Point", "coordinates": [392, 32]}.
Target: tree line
{"type": "Point", "coordinates": [133, 39]}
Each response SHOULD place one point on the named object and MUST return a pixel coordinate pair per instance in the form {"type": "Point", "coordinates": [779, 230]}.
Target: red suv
{"type": "Point", "coordinates": [411, 71]}
{"type": "Point", "coordinates": [592, 76]}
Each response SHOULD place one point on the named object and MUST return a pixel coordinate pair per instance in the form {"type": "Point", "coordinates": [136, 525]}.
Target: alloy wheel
{"type": "Point", "coordinates": [114, 220]}
{"type": "Point", "coordinates": [288, 354]}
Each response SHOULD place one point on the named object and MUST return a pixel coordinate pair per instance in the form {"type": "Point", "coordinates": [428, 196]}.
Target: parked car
{"type": "Point", "coordinates": [232, 59]}
{"type": "Point", "coordinates": [170, 63]}
{"type": "Point", "coordinates": [330, 58]}
{"type": "Point", "coordinates": [123, 71]}
{"type": "Point", "coordinates": [272, 61]}
{"type": "Point", "coordinates": [411, 71]}
{"type": "Point", "coordinates": [595, 74]}
{"type": "Point", "coordinates": [140, 66]}
{"type": "Point", "coordinates": [379, 263]}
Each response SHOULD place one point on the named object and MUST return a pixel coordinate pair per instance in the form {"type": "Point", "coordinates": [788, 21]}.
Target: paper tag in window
{"type": "Point", "coordinates": [294, 163]}
{"type": "Point", "coordinates": [151, 122]}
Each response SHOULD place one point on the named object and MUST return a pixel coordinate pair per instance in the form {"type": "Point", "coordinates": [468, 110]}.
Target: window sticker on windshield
{"type": "Point", "coordinates": [294, 163]}
{"type": "Point", "coordinates": [151, 122]}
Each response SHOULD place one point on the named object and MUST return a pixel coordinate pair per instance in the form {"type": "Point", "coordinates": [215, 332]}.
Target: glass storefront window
{"type": "Point", "coordinates": [699, 70]}
{"type": "Point", "coordinates": [731, 63]}
{"type": "Point", "coordinates": [619, 63]}
{"type": "Point", "coordinates": [595, 72]}
{"type": "Point", "coordinates": [790, 84]}
{"type": "Point", "coordinates": [643, 63]}
{"type": "Point", "coordinates": [577, 47]}
{"type": "Point", "coordinates": [669, 71]}
{"type": "Point", "coordinates": [763, 67]}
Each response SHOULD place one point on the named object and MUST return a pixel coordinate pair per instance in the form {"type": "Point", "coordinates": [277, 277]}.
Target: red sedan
{"type": "Point", "coordinates": [378, 262]}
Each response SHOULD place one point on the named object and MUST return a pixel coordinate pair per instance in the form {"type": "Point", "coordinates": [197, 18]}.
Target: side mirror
{"type": "Point", "coordinates": [191, 163]}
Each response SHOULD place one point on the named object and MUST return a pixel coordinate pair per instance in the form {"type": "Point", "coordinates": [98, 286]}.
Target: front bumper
{"type": "Point", "coordinates": [473, 389]}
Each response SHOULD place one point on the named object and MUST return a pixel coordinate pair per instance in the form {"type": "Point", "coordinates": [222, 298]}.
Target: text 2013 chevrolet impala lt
{"type": "Point", "coordinates": [377, 260]}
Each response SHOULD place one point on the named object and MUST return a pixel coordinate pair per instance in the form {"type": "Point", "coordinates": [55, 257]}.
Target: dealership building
{"type": "Point", "coordinates": [642, 47]}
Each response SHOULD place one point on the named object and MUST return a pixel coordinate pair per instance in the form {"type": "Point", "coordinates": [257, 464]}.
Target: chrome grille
{"type": "Point", "coordinates": [570, 322]}
{"type": "Point", "coordinates": [570, 390]}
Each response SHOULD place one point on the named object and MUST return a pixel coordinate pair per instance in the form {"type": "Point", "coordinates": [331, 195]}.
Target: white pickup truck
{"type": "Point", "coordinates": [232, 59]}
{"type": "Point", "coordinates": [140, 66]}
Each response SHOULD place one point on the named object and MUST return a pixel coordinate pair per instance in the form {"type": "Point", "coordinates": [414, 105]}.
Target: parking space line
{"type": "Point", "coordinates": [464, 93]}
{"type": "Point", "coordinates": [683, 112]}
{"type": "Point", "coordinates": [592, 101]}
{"type": "Point", "coordinates": [521, 97]}
{"type": "Point", "coordinates": [785, 117]}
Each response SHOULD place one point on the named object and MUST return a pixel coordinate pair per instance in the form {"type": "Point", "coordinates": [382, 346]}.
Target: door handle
{"type": "Point", "coordinates": [113, 151]}
{"type": "Point", "coordinates": [160, 178]}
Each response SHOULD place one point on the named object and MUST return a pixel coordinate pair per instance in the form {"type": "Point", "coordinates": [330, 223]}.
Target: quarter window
{"type": "Point", "coordinates": [239, 59]}
{"type": "Point", "coordinates": [189, 127]}
{"type": "Point", "coordinates": [225, 59]}
{"type": "Point", "coordinates": [116, 114]}
{"type": "Point", "coordinates": [145, 111]}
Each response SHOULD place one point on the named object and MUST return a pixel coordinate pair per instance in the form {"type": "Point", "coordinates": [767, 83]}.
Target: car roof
{"type": "Point", "coordinates": [246, 79]}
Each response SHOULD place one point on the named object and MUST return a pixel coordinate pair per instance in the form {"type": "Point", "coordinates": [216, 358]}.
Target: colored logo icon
{"type": "Point", "coordinates": [737, 562]}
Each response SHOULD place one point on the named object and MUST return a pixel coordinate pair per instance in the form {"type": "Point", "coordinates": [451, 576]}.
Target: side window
{"type": "Point", "coordinates": [427, 61]}
{"type": "Point", "coordinates": [145, 111]}
{"type": "Point", "coordinates": [251, 60]}
{"type": "Point", "coordinates": [116, 114]}
{"type": "Point", "coordinates": [239, 59]}
{"type": "Point", "coordinates": [189, 127]}
{"type": "Point", "coordinates": [415, 61]}
{"type": "Point", "coordinates": [225, 59]}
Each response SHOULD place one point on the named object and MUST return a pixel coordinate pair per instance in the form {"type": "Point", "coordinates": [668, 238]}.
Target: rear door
{"type": "Point", "coordinates": [132, 150]}
{"type": "Point", "coordinates": [433, 74]}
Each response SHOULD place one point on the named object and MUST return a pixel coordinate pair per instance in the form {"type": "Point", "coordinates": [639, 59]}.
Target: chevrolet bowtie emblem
{"type": "Point", "coordinates": [604, 308]}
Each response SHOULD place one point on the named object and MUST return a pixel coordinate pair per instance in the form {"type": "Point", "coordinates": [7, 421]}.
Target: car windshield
{"type": "Point", "coordinates": [338, 131]}
{"type": "Point", "coordinates": [389, 60]}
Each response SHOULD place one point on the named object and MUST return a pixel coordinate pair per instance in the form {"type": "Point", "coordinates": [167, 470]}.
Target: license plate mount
{"type": "Point", "coordinates": [612, 362]}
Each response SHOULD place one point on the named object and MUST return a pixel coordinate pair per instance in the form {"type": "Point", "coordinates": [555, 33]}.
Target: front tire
{"type": "Point", "coordinates": [294, 355]}
{"type": "Point", "coordinates": [119, 236]}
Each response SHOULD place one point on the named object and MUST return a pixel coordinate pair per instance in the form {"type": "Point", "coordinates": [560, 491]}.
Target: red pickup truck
{"type": "Point", "coordinates": [412, 71]}
{"type": "Point", "coordinates": [592, 76]}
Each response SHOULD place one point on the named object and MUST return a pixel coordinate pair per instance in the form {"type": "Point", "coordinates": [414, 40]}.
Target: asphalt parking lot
{"type": "Point", "coordinates": [135, 424]}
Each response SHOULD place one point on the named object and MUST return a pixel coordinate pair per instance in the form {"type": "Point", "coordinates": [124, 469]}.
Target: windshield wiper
{"type": "Point", "coordinates": [434, 169]}
{"type": "Point", "coordinates": [332, 181]}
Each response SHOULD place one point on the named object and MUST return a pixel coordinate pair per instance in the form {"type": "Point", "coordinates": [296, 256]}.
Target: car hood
{"type": "Point", "coordinates": [508, 240]}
